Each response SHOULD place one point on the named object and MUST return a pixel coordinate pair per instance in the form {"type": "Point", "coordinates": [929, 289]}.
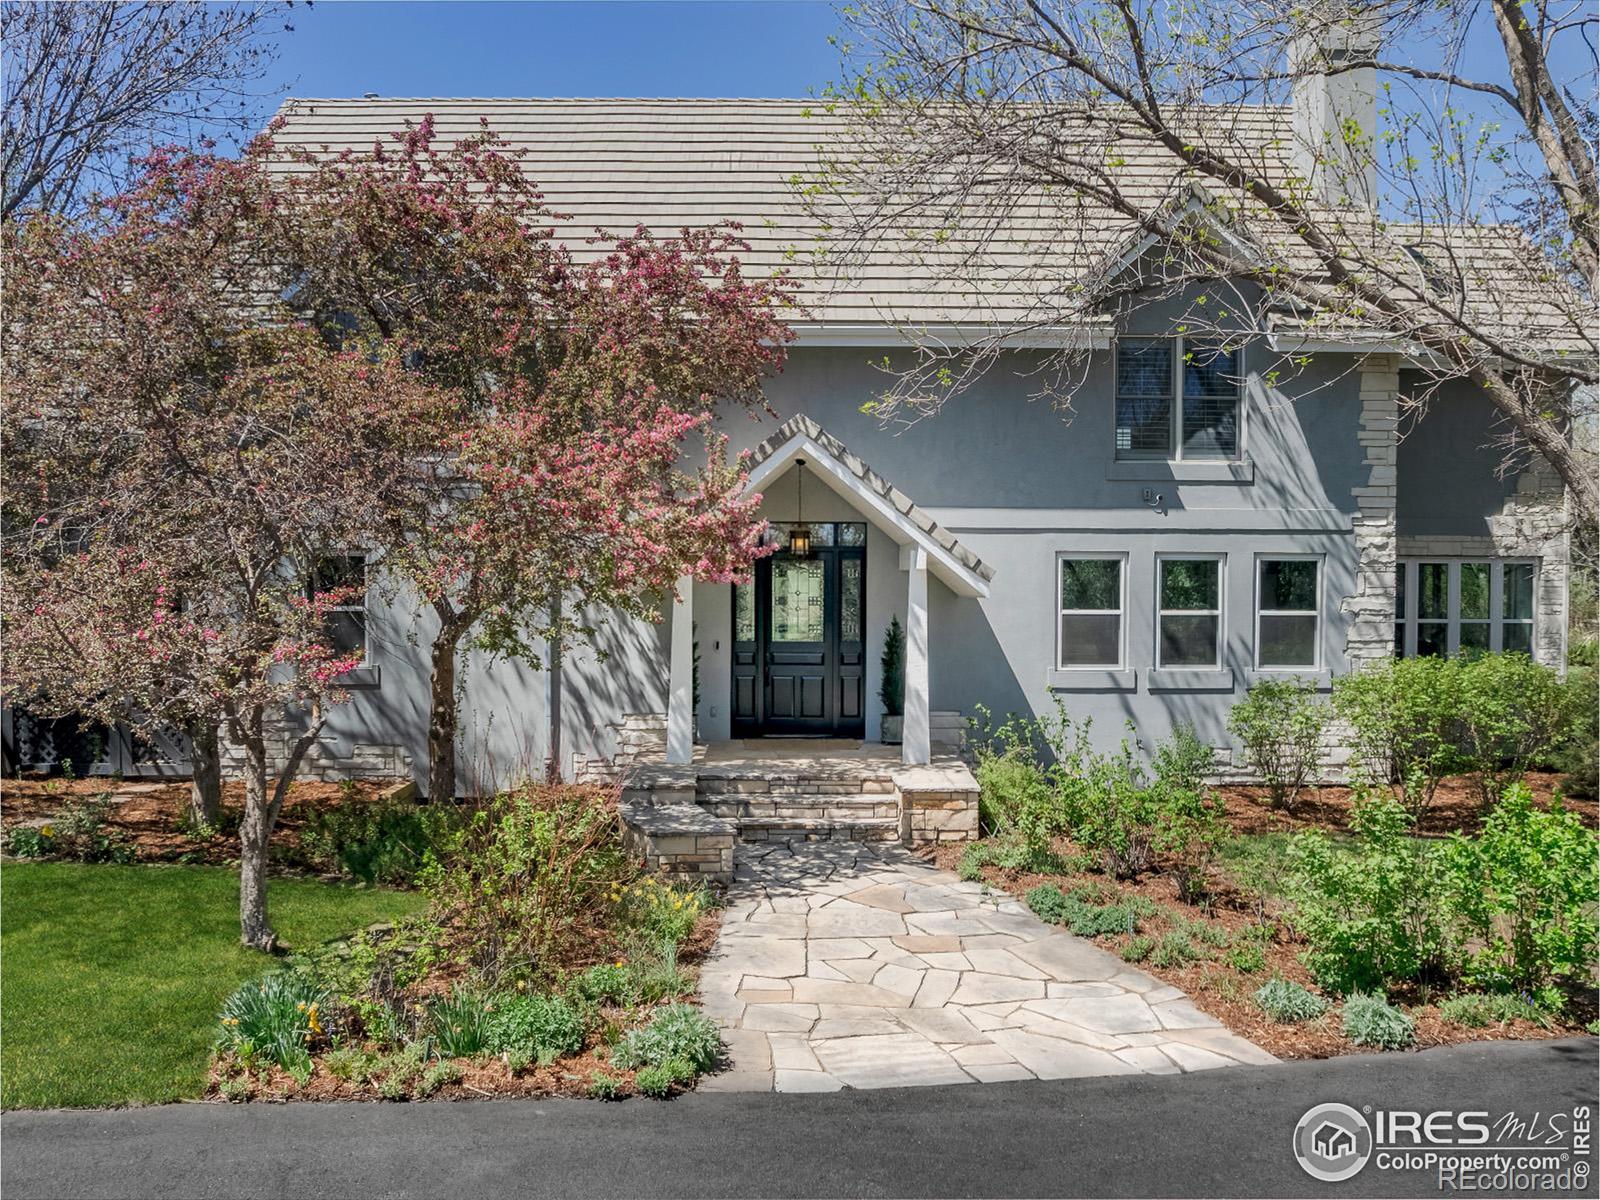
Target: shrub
{"type": "Point", "coordinates": [385, 841]}
{"type": "Point", "coordinates": [1279, 724]}
{"type": "Point", "coordinates": [355, 1063]}
{"type": "Point", "coordinates": [544, 1027]}
{"type": "Point", "coordinates": [1514, 713]}
{"type": "Point", "coordinates": [460, 1023]}
{"type": "Point", "coordinates": [1577, 756]}
{"type": "Point", "coordinates": [1370, 1020]}
{"type": "Point", "coordinates": [892, 691]}
{"type": "Point", "coordinates": [604, 1086]}
{"type": "Point", "coordinates": [31, 842]}
{"type": "Point", "coordinates": [274, 1019]}
{"type": "Point", "coordinates": [658, 1079]}
{"type": "Point", "coordinates": [1188, 814]}
{"type": "Point", "coordinates": [1173, 950]}
{"type": "Point", "coordinates": [1373, 914]}
{"type": "Point", "coordinates": [1476, 1010]}
{"type": "Point", "coordinates": [437, 1076]}
{"type": "Point", "coordinates": [1015, 798]}
{"type": "Point", "coordinates": [654, 974]}
{"type": "Point", "coordinates": [1526, 891]}
{"type": "Point", "coordinates": [662, 911]}
{"type": "Point", "coordinates": [78, 832]}
{"type": "Point", "coordinates": [677, 1032]}
{"type": "Point", "coordinates": [527, 879]}
{"type": "Point", "coordinates": [1289, 1003]}
{"type": "Point", "coordinates": [1249, 957]}
{"type": "Point", "coordinates": [1406, 723]}
{"type": "Point", "coordinates": [973, 859]}
{"type": "Point", "coordinates": [1080, 912]}
{"type": "Point", "coordinates": [1138, 949]}
{"type": "Point", "coordinates": [1117, 811]}
{"type": "Point", "coordinates": [604, 982]}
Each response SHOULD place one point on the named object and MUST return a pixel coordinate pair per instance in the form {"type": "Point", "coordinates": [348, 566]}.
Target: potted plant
{"type": "Point", "coordinates": [893, 689]}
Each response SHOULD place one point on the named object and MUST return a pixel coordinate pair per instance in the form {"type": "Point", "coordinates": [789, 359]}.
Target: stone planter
{"type": "Point", "coordinates": [892, 728]}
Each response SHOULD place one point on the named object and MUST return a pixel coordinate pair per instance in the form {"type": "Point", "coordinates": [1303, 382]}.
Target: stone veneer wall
{"type": "Point", "coordinates": [323, 760]}
{"type": "Point", "coordinates": [1369, 638]}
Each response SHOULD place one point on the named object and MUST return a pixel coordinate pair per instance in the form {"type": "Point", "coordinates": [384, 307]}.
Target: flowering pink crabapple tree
{"type": "Point", "coordinates": [235, 371]}
{"type": "Point", "coordinates": [182, 456]}
{"type": "Point", "coordinates": [585, 477]}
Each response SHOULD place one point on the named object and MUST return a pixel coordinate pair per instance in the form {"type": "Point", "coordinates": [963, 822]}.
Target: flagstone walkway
{"type": "Point", "coordinates": [845, 964]}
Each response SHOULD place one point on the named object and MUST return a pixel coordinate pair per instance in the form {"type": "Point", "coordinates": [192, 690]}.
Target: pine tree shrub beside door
{"type": "Point", "coordinates": [892, 691]}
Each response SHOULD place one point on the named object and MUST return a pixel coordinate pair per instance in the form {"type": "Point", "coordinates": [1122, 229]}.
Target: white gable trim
{"type": "Point", "coordinates": [956, 575]}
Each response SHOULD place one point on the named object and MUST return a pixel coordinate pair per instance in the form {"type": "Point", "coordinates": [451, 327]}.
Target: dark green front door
{"type": "Point", "coordinates": [799, 641]}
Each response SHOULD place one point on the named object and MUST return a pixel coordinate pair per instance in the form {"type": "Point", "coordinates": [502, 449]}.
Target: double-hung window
{"type": "Point", "coordinates": [1288, 608]}
{"type": "Point", "coordinates": [1189, 615]}
{"type": "Point", "coordinates": [345, 574]}
{"type": "Point", "coordinates": [1177, 398]}
{"type": "Point", "coordinates": [1462, 606]}
{"type": "Point", "coordinates": [1090, 602]}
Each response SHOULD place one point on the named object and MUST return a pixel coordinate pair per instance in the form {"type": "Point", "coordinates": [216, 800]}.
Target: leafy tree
{"type": "Point", "coordinates": [182, 456]}
{"type": "Point", "coordinates": [983, 138]}
{"type": "Point", "coordinates": [569, 491]}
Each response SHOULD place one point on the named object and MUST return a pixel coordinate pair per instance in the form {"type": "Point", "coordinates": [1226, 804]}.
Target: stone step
{"type": "Point", "coordinates": [819, 829]}
{"type": "Point", "coordinates": [843, 807]}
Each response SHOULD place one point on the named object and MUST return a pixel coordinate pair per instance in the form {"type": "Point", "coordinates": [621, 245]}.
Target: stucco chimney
{"type": "Point", "coordinates": [1332, 100]}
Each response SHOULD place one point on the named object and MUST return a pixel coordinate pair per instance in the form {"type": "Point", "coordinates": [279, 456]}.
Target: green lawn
{"type": "Point", "coordinates": [111, 977]}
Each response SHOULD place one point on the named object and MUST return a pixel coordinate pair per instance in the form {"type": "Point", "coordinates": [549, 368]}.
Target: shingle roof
{"type": "Point", "coordinates": [802, 426]}
{"type": "Point", "coordinates": [614, 164]}
{"type": "Point", "coordinates": [667, 164]}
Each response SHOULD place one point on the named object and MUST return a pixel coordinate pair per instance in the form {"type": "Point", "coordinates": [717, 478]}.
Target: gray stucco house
{"type": "Point", "coordinates": [1195, 526]}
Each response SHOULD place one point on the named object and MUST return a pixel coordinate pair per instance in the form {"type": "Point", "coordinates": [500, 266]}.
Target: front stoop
{"type": "Point", "coordinates": [829, 801]}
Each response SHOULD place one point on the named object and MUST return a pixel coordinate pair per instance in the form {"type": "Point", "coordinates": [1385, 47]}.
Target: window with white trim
{"type": "Point", "coordinates": [1090, 592]}
{"type": "Point", "coordinates": [1462, 606]}
{"type": "Point", "coordinates": [1188, 612]}
{"type": "Point", "coordinates": [1177, 398]}
{"type": "Point", "coordinates": [1288, 613]}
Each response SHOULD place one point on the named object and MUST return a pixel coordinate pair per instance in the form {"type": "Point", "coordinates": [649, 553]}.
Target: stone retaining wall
{"type": "Point", "coordinates": [679, 841]}
{"type": "Point", "coordinates": [937, 805]}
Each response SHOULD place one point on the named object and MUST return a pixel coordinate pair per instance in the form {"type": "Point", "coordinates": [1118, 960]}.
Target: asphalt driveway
{"type": "Point", "coordinates": [1216, 1133]}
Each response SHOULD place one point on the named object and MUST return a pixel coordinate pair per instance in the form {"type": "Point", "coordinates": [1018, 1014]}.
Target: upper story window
{"type": "Point", "coordinates": [1177, 398]}
{"type": "Point", "coordinates": [1462, 606]}
{"type": "Point", "coordinates": [1091, 613]}
{"type": "Point", "coordinates": [347, 620]}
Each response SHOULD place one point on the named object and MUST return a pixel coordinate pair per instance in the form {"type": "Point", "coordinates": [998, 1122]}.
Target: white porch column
{"type": "Point", "coordinates": [680, 694]}
{"type": "Point", "coordinates": [915, 746]}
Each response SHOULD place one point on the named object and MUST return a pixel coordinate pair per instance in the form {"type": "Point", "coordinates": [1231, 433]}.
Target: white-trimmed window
{"type": "Point", "coordinates": [1288, 613]}
{"type": "Point", "coordinates": [1188, 612]}
{"type": "Point", "coordinates": [1177, 398]}
{"type": "Point", "coordinates": [1090, 600]}
{"type": "Point", "coordinates": [1447, 606]}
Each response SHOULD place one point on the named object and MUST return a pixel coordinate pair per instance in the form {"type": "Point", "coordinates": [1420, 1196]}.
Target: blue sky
{"type": "Point", "coordinates": [461, 48]}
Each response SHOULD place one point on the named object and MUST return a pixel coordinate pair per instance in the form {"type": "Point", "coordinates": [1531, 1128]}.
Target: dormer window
{"type": "Point", "coordinates": [1177, 398]}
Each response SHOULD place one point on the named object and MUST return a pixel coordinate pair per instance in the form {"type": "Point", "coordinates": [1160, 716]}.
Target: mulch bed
{"type": "Point", "coordinates": [1224, 991]}
{"type": "Point", "coordinates": [489, 1077]}
{"type": "Point", "coordinates": [151, 816]}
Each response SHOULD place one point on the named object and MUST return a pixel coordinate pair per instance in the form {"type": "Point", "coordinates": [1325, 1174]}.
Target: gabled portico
{"type": "Point", "coordinates": [920, 547]}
